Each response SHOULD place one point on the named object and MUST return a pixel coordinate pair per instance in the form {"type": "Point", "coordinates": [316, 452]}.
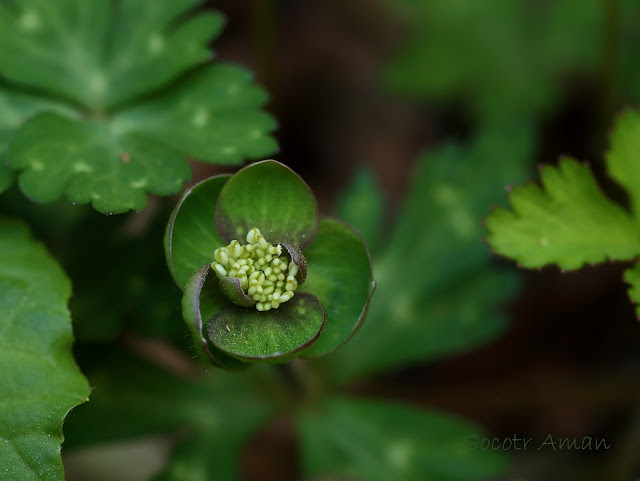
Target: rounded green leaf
{"type": "Point", "coordinates": [271, 197]}
{"type": "Point", "coordinates": [269, 335]}
{"type": "Point", "coordinates": [202, 300]}
{"type": "Point", "coordinates": [191, 236]}
{"type": "Point", "coordinates": [232, 289]}
{"type": "Point", "coordinates": [340, 274]}
{"type": "Point", "coordinates": [39, 379]}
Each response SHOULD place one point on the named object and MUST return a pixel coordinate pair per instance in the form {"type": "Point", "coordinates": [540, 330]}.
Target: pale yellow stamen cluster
{"type": "Point", "coordinates": [266, 276]}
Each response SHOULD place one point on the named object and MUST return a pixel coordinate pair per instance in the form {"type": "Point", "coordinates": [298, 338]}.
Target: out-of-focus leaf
{"type": "Point", "coordinates": [628, 30]}
{"type": "Point", "coordinates": [15, 108]}
{"type": "Point", "coordinates": [623, 157]}
{"type": "Point", "coordinates": [362, 206]}
{"type": "Point", "coordinates": [215, 414]}
{"type": "Point", "coordinates": [6, 177]}
{"type": "Point", "coordinates": [632, 277]}
{"type": "Point", "coordinates": [436, 293]}
{"type": "Point", "coordinates": [377, 441]}
{"type": "Point", "coordinates": [569, 222]}
{"type": "Point", "coordinates": [121, 279]}
{"type": "Point", "coordinates": [109, 99]}
{"type": "Point", "coordinates": [100, 53]}
{"type": "Point", "coordinates": [500, 56]}
{"type": "Point", "coordinates": [39, 380]}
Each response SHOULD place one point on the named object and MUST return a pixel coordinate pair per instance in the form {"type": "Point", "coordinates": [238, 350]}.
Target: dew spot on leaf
{"type": "Point", "coordinates": [29, 21]}
{"type": "Point", "coordinates": [400, 453]}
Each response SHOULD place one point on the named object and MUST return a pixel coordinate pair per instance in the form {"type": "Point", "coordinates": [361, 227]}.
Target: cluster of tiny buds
{"type": "Point", "coordinates": [266, 276]}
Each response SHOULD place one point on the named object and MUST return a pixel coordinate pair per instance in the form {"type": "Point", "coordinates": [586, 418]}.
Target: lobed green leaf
{"type": "Point", "coordinates": [107, 100]}
{"type": "Point", "coordinates": [569, 222]}
{"type": "Point", "coordinates": [101, 53]}
{"type": "Point", "coordinates": [90, 163]}
{"type": "Point", "coordinates": [623, 157]}
{"type": "Point", "coordinates": [211, 115]}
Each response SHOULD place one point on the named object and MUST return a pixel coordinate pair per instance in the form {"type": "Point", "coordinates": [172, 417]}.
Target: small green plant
{"type": "Point", "coordinates": [102, 102]}
{"type": "Point", "coordinates": [106, 106]}
{"type": "Point", "coordinates": [570, 222]}
{"type": "Point", "coordinates": [301, 289]}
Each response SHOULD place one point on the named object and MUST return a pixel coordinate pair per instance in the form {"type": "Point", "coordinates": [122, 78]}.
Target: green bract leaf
{"type": "Point", "coordinates": [382, 441]}
{"type": "Point", "coordinates": [39, 380]}
{"type": "Point", "coordinates": [623, 158]}
{"type": "Point", "coordinates": [569, 223]}
{"type": "Point", "coordinates": [297, 257]}
{"type": "Point", "coordinates": [271, 197]}
{"type": "Point", "coordinates": [437, 292]}
{"type": "Point", "coordinates": [232, 289]}
{"type": "Point", "coordinates": [131, 96]}
{"type": "Point", "coordinates": [340, 275]}
{"type": "Point", "coordinates": [202, 300]}
{"type": "Point", "coordinates": [276, 330]}
{"type": "Point", "coordinates": [362, 206]}
{"type": "Point", "coordinates": [272, 335]}
{"type": "Point", "coordinates": [191, 236]}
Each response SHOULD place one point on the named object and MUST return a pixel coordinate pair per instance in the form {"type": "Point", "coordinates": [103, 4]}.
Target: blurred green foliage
{"type": "Point", "coordinates": [505, 58]}
{"type": "Point", "coordinates": [438, 291]}
{"type": "Point", "coordinates": [378, 441]}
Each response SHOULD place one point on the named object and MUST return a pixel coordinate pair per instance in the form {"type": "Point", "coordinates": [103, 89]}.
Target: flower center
{"type": "Point", "coordinates": [266, 275]}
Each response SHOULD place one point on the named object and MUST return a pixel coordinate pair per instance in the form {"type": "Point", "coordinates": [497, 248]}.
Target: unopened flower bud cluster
{"type": "Point", "coordinates": [266, 276]}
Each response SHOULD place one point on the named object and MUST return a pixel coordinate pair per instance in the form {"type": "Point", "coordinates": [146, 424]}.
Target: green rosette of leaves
{"type": "Point", "coordinates": [264, 278]}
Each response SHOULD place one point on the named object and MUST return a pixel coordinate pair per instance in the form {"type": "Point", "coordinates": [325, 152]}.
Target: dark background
{"type": "Point", "coordinates": [568, 363]}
